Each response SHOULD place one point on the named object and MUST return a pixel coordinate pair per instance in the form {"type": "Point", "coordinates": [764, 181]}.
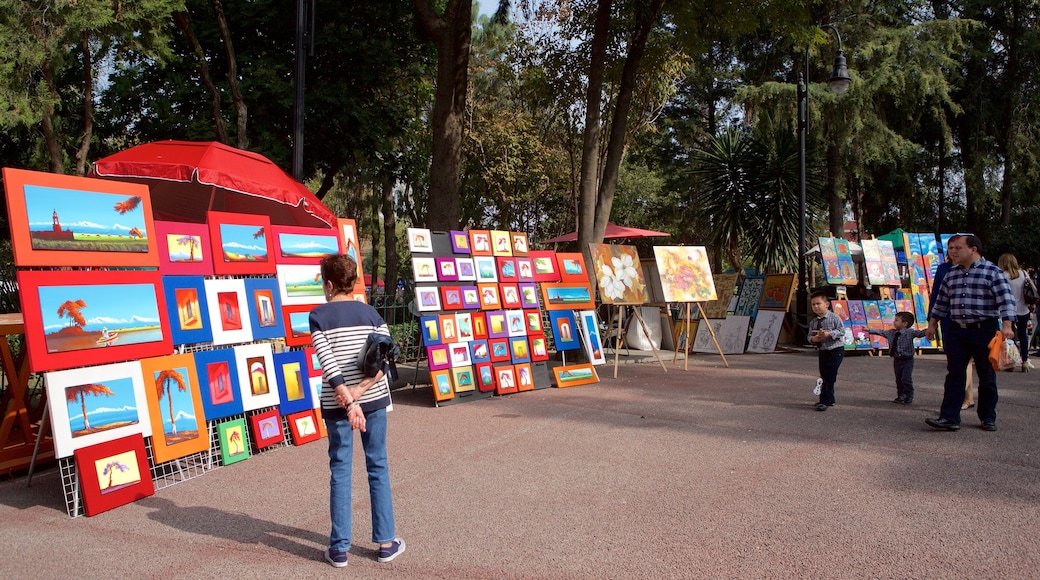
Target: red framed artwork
{"type": "Point", "coordinates": [485, 375]}
{"type": "Point", "coordinates": [572, 267]}
{"type": "Point", "coordinates": [539, 351]}
{"type": "Point", "coordinates": [113, 473]}
{"type": "Point", "coordinates": [89, 318]}
{"type": "Point", "coordinates": [560, 296]}
{"type": "Point", "coordinates": [349, 243]}
{"type": "Point", "coordinates": [449, 328]}
{"type": "Point", "coordinates": [62, 220]}
{"type": "Point", "coordinates": [451, 298]}
{"type": "Point", "coordinates": [505, 380]}
{"type": "Point", "coordinates": [437, 357]}
{"type": "Point", "coordinates": [297, 245]}
{"type": "Point", "coordinates": [313, 366]}
{"type": "Point", "coordinates": [267, 428]}
{"type": "Point", "coordinates": [480, 330]}
{"type": "Point", "coordinates": [303, 426]}
{"type": "Point", "coordinates": [241, 243]}
{"type": "Point", "coordinates": [499, 350]}
{"type": "Point", "coordinates": [480, 242]}
{"type": "Point", "coordinates": [533, 318]}
{"type": "Point", "coordinates": [510, 295]}
{"type": "Point", "coordinates": [184, 249]}
{"type": "Point", "coordinates": [506, 268]}
{"type": "Point", "coordinates": [296, 318]}
{"type": "Point", "coordinates": [463, 379]}
{"type": "Point", "coordinates": [545, 267]}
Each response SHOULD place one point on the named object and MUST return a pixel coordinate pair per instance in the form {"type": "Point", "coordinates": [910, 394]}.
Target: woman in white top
{"type": "Point", "coordinates": [1018, 279]}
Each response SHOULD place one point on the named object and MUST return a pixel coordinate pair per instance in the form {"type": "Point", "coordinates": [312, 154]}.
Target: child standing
{"type": "Point", "coordinates": [901, 349]}
{"type": "Point", "coordinates": [827, 333]}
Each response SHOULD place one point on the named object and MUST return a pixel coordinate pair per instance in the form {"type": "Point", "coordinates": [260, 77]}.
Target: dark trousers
{"type": "Point", "coordinates": [1022, 334]}
{"type": "Point", "coordinates": [904, 368]}
{"type": "Point", "coordinates": [963, 345]}
{"type": "Point", "coordinates": [830, 360]}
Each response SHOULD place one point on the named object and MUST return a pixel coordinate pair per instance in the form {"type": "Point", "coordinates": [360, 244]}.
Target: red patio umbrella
{"type": "Point", "coordinates": [612, 231]}
{"type": "Point", "coordinates": [187, 178]}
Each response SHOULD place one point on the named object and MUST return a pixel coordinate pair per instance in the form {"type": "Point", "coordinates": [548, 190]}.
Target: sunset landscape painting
{"type": "Point", "coordinates": [99, 316]}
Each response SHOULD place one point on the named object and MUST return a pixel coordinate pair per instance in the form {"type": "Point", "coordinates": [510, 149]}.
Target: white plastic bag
{"type": "Point", "coordinates": [1009, 356]}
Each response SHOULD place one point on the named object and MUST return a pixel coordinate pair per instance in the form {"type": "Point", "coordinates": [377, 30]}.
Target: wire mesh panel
{"type": "Point", "coordinates": [70, 485]}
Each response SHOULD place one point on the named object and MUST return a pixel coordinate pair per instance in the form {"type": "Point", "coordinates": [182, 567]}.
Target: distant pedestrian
{"type": "Point", "coordinates": [976, 296]}
{"type": "Point", "coordinates": [901, 349]}
{"type": "Point", "coordinates": [828, 334]}
{"type": "Point", "coordinates": [350, 400]}
{"type": "Point", "coordinates": [1019, 280]}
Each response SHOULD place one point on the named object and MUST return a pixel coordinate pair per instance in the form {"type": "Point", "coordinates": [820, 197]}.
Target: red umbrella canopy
{"type": "Point", "coordinates": [187, 178]}
{"type": "Point", "coordinates": [612, 231]}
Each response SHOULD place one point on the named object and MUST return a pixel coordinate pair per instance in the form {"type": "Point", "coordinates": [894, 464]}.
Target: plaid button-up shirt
{"type": "Point", "coordinates": [975, 294]}
{"type": "Point", "coordinates": [904, 347]}
{"type": "Point", "coordinates": [835, 331]}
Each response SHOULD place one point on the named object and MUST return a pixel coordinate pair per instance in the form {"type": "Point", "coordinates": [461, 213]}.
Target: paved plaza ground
{"type": "Point", "coordinates": [708, 472]}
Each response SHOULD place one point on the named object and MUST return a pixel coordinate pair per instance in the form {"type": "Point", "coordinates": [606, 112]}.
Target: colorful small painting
{"type": "Point", "coordinates": [618, 274]}
{"type": "Point", "coordinates": [564, 296]}
{"type": "Point", "coordinates": [777, 292]}
{"type": "Point", "coordinates": [427, 298]}
{"type": "Point", "coordinates": [304, 245]}
{"type": "Point", "coordinates": [442, 388]}
{"type": "Point", "coordinates": [243, 243]}
{"type": "Point", "coordinates": [463, 379]}
{"type": "Point", "coordinates": [265, 308]}
{"type": "Point", "coordinates": [590, 337]}
{"type": "Point", "coordinates": [174, 407]}
{"type": "Point", "coordinates": [480, 242]}
{"type": "Point", "coordinates": [420, 240]}
{"type": "Point", "coordinates": [300, 284]}
{"type": "Point", "coordinates": [424, 269]}
{"type": "Point", "coordinates": [564, 329]}
{"type": "Point", "coordinates": [519, 239]}
{"type": "Point", "coordinates": [749, 296]}
{"type": "Point", "coordinates": [296, 319]}
{"type": "Point", "coordinates": [685, 273]}
{"type": "Point", "coordinates": [500, 243]}
{"type": "Point", "coordinates": [545, 266]}
{"type": "Point", "coordinates": [229, 319]}
{"type": "Point", "coordinates": [234, 442]}
{"type": "Point", "coordinates": [294, 393]}
{"type": "Point", "coordinates": [113, 473]}
{"type": "Point", "coordinates": [574, 375]}
{"type": "Point", "coordinates": [486, 269]}
{"type": "Point", "coordinates": [218, 383]}
{"type": "Point", "coordinates": [79, 317]}
{"type": "Point", "coordinates": [459, 241]}
{"type": "Point", "coordinates": [572, 267]}
{"type": "Point", "coordinates": [267, 429]}
{"type": "Point", "coordinates": [184, 249]}
{"type": "Point", "coordinates": [303, 427]}
{"type": "Point", "coordinates": [505, 380]}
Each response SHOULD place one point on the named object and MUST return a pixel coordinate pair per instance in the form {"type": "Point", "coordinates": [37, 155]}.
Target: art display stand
{"type": "Point", "coordinates": [621, 335]}
{"type": "Point", "coordinates": [23, 439]}
{"type": "Point", "coordinates": [687, 325]}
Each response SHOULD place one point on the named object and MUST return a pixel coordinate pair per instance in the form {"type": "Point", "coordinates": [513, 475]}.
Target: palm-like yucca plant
{"type": "Point", "coordinates": [722, 191]}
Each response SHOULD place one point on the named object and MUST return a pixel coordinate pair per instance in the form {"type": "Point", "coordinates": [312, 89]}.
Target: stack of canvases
{"type": "Point", "coordinates": [481, 323]}
{"type": "Point", "coordinates": [105, 337]}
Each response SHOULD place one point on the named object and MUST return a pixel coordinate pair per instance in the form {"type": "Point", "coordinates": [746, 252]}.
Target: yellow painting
{"type": "Point", "coordinates": [685, 273]}
{"type": "Point", "coordinates": [117, 472]}
{"type": "Point", "coordinates": [293, 381]}
{"type": "Point", "coordinates": [618, 274]}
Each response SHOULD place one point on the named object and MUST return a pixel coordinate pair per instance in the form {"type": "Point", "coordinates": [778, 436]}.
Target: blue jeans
{"type": "Point", "coordinates": [830, 360]}
{"type": "Point", "coordinates": [341, 451]}
{"type": "Point", "coordinates": [963, 345]}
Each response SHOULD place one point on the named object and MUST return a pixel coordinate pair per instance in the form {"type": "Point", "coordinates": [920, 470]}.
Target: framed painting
{"type": "Point", "coordinates": [265, 308]}
{"type": "Point", "coordinates": [545, 266]}
{"type": "Point", "coordinates": [234, 441]}
{"type": "Point", "coordinates": [567, 296]}
{"type": "Point", "coordinates": [184, 249]}
{"type": "Point", "coordinates": [510, 295]}
{"type": "Point", "coordinates": [470, 297]}
{"type": "Point", "coordinates": [519, 351]}
{"type": "Point", "coordinates": [485, 375]}
{"type": "Point", "coordinates": [89, 318]}
{"type": "Point", "coordinates": [506, 268]}
{"type": "Point", "coordinates": [449, 330]}
{"type": "Point", "coordinates": [574, 375]}
{"type": "Point", "coordinates": [777, 292]}
{"type": "Point", "coordinates": [463, 379]}
{"type": "Point", "coordinates": [505, 380]}
{"type": "Point", "coordinates": [61, 220]}
{"type": "Point", "coordinates": [113, 473]}
{"type": "Point", "coordinates": [349, 244]}
{"type": "Point", "coordinates": [618, 274]}
{"type": "Point", "coordinates": [524, 377]}
{"type": "Point", "coordinates": [459, 241]}
{"type": "Point", "coordinates": [256, 376]}
{"type": "Point", "coordinates": [528, 295]}
{"type": "Point", "coordinates": [266, 428]}
{"type": "Point", "coordinates": [685, 273]}
{"type": "Point", "coordinates": [516, 323]}
{"type": "Point", "coordinates": [187, 309]}
{"type": "Point", "coordinates": [451, 298]}
{"type": "Point", "coordinates": [489, 298]}
{"type": "Point", "coordinates": [749, 295]}
{"type": "Point", "coordinates": [313, 365]}
{"type": "Point", "coordinates": [290, 371]}
{"type": "Point", "coordinates": [486, 268]}
{"type": "Point", "coordinates": [93, 405]}
{"type": "Point", "coordinates": [499, 348]}
{"type": "Point", "coordinates": [539, 350]}
{"type": "Point", "coordinates": [437, 357]}
{"type": "Point", "coordinates": [424, 269]}
{"type": "Point", "coordinates": [564, 329]}
{"type": "Point", "coordinates": [431, 330]}
{"type": "Point", "coordinates": [446, 271]}
{"type": "Point", "coordinates": [480, 242]}
{"type": "Point", "coordinates": [500, 243]}
{"type": "Point", "coordinates": [533, 318]}
{"type": "Point", "coordinates": [303, 427]}
{"type": "Point", "coordinates": [442, 388]}
{"type": "Point", "coordinates": [766, 330]}
{"type": "Point", "coordinates": [590, 337]}
{"type": "Point", "coordinates": [458, 352]}
{"type": "Point", "coordinates": [298, 245]}
{"type": "Point", "coordinates": [519, 242]}
{"type": "Point", "coordinates": [241, 243]}
{"type": "Point", "coordinates": [572, 267]}
{"type": "Point", "coordinates": [480, 329]}
{"type": "Point", "coordinates": [300, 284]}
{"type": "Point", "coordinates": [297, 321]}
{"type": "Point", "coordinates": [427, 298]}
{"type": "Point", "coordinates": [228, 311]}
{"type": "Point", "coordinates": [725, 288]}
{"type": "Point", "coordinates": [524, 270]}
{"type": "Point", "coordinates": [218, 383]}
{"type": "Point", "coordinates": [465, 269]}
{"type": "Point", "coordinates": [420, 241]}
{"type": "Point", "coordinates": [174, 407]}
{"type": "Point", "coordinates": [496, 322]}
{"type": "Point", "coordinates": [479, 351]}
{"type": "Point", "coordinates": [464, 325]}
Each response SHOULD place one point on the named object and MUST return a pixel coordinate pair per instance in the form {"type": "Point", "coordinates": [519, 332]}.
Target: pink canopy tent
{"type": "Point", "coordinates": [187, 178]}
{"type": "Point", "coordinates": [613, 231]}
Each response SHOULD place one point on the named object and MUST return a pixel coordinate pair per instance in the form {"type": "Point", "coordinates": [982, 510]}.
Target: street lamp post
{"type": "Point", "coordinates": [839, 83]}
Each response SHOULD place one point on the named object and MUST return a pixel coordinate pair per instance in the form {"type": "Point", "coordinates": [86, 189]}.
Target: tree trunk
{"type": "Point", "coordinates": [88, 108]}
{"type": "Point", "coordinates": [389, 234]}
{"type": "Point", "coordinates": [181, 19]}
{"type": "Point", "coordinates": [50, 135]}
{"type": "Point", "coordinates": [451, 35]}
{"type": "Point", "coordinates": [835, 203]}
{"type": "Point", "coordinates": [242, 138]}
{"type": "Point", "coordinates": [374, 207]}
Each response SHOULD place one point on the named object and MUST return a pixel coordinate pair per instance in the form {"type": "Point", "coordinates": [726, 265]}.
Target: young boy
{"type": "Point", "coordinates": [901, 349]}
{"type": "Point", "coordinates": [827, 333]}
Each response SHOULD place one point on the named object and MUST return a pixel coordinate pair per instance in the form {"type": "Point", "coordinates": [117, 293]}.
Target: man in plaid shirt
{"type": "Point", "coordinates": [977, 296]}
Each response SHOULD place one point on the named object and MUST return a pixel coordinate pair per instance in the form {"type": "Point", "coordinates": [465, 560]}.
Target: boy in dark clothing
{"type": "Point", "coordinates": [901, 349]}
{"type": "Point", "coordinates": [827, 333]}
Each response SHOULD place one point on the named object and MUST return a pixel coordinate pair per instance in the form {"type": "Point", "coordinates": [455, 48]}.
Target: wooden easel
{"type": "Point", "coordinates": [621, 334]}
{"type": "Point", "coordinates": [687, 325]}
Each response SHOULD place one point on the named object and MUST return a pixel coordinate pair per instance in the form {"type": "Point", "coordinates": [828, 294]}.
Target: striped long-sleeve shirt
{"type": "Point", "coordinates": [338, 332]}
{"type": "Point", "coordinates": [975, 294]}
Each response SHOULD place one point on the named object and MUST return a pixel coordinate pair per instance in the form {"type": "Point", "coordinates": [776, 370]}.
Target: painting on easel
{"type": "Point", "coordinates": [685, 273]}
{"type": "Point", "coordinates": [618, 274]}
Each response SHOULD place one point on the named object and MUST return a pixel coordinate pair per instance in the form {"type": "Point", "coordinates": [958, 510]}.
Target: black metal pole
{"type": "Point", "coordinates": [802, 293]}
{"type": "Point", "coordinates": [298, 79]}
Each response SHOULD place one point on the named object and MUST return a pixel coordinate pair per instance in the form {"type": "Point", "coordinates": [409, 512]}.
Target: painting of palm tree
{"type": "Point", "coordinates": [235, 439]}
{"type": "Point", "coordinates": [165, 381]}
{"type": "Point", "coordinates": [71, 309]}
{"type": "Point", "coordinates": [111, 467]}
{"type": "Point", "coordinates": [192, 242]}
{"type": "Point", "coordinates": [79, 393]}
{"type": "Point", "coordinates": [127, 205]}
